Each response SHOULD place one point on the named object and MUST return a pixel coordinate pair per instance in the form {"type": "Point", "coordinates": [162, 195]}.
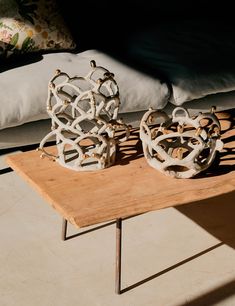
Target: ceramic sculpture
{"type": "Point", "coordinates": [83, 112]}
{"type": "Point", "coordinates": [180, 146]}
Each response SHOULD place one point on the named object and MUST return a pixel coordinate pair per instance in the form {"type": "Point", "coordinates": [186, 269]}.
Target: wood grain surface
{"type": "Point", "coordinates": [128, 188]}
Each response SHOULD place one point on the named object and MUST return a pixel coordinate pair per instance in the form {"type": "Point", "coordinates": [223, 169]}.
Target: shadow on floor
{"type": "Point", "coordinates": [178, 264]}
{"type": "Point", "coordinates": [215, 215]}
{"type": "Point", "coordinates": [213, 297]}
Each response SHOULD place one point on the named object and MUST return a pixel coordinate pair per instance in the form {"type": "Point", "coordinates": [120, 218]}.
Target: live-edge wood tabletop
{"type": "Point", "coordinates": [128, 188]}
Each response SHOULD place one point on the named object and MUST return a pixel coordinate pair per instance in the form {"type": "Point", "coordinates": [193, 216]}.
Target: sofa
{"type": "Point", "coordinates": [161, 57]}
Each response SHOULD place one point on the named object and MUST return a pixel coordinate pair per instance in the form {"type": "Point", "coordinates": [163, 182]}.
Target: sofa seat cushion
{"type": "Point", "coordinates": [33, 132]}
{"type": "Point", "coordinates": [23, 90]}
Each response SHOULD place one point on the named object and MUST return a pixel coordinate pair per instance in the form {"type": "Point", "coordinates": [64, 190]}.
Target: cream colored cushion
{"type": "Point", "coordinates": [23, 90]}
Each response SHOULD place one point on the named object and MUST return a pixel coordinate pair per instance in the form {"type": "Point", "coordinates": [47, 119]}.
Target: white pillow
{"type": "Point", "coordinates": [23, 90]}
{"type": "Point", "coordinates": [197, 86]}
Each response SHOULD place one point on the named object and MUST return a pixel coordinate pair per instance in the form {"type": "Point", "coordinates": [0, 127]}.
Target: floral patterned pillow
{"type": "Point", "coordinates": [32, 25]}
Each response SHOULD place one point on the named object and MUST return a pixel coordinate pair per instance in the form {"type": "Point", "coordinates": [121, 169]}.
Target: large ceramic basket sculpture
{"type": "Point", "coordinates": [180, 146]}
{"type": "Point", "coordinates": [84, 111]}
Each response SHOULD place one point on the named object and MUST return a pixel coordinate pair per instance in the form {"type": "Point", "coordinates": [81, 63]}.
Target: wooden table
{"type": "Point", "coordinates": [128, 188]}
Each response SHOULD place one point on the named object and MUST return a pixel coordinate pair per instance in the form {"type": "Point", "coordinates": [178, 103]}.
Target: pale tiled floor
{"type": "Point", "coordinates": [192, 247]}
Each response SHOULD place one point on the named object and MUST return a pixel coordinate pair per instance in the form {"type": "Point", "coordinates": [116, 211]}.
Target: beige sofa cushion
{"type": "Point", "coordinates": [23, 90]}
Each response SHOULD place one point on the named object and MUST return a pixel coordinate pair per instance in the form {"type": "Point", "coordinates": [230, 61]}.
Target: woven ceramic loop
{"type": "Point", "coordinates": [83, 112]}
{"type": "Point", "coordinates": [180, 146]}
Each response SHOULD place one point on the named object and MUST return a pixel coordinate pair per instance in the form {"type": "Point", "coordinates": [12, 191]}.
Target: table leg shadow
{"type": "Point", "coordinates": [215, 215]}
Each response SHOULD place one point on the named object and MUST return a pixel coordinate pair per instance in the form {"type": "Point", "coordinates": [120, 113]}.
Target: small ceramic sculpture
{"type": "Point", "coordinates": [84, 111]}
{"type": "Point", "coordinates": [180, 146]}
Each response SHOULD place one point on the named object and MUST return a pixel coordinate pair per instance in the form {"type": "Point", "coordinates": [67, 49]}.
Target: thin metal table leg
{"type": "Point", "coordinates": [118, 255]}
{"type": "Point", "coordinates": [118, 249]}
{"type": "Point", "coordinates": [64, 229]}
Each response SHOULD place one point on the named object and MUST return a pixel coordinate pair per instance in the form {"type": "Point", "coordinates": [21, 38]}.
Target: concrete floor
{"type": "Point", "coordinates": [183, 256]}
